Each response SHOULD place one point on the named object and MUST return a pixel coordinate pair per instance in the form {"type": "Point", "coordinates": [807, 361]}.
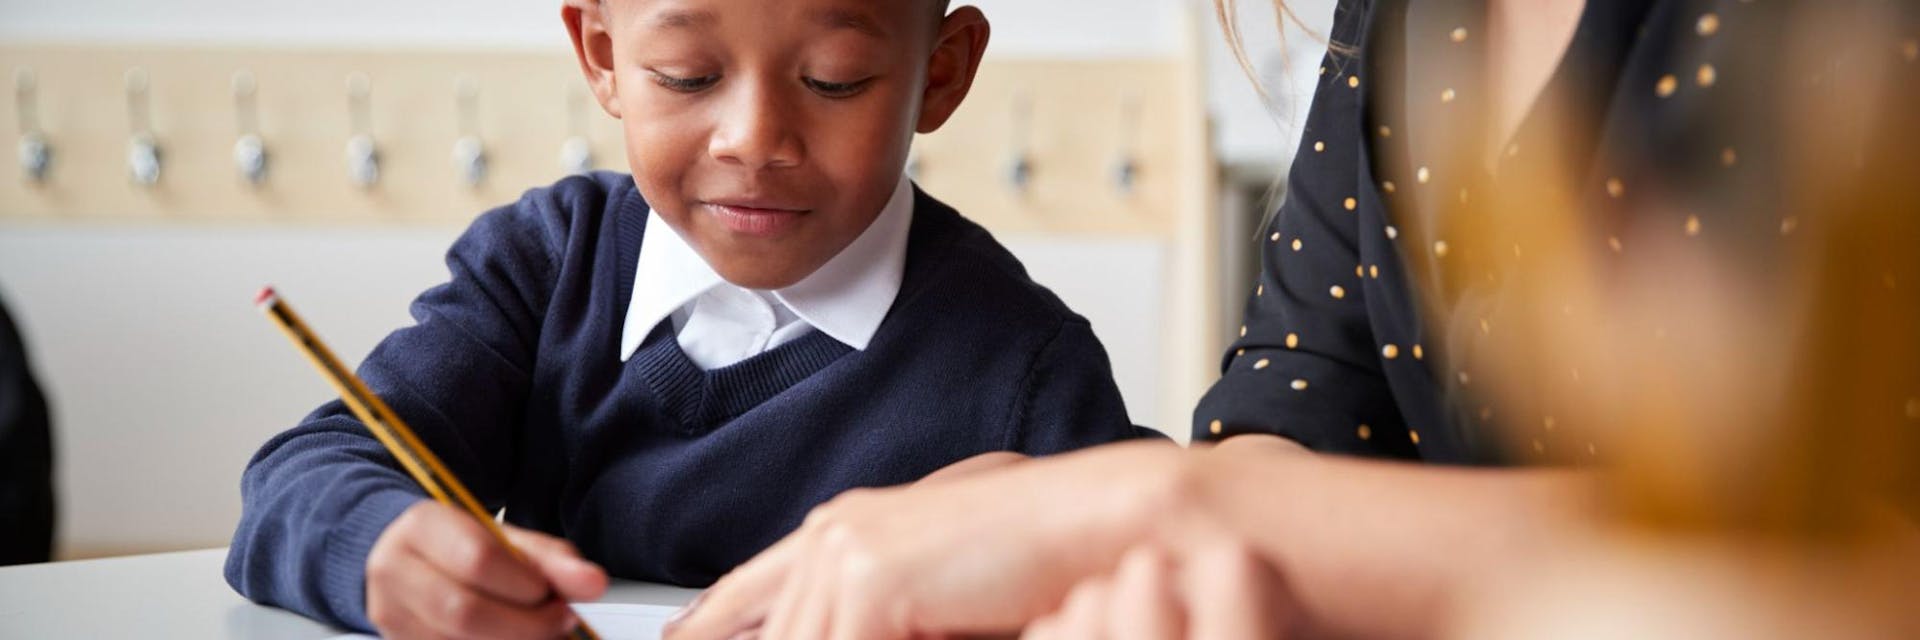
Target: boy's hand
{"type": "Point", "coordinates": [977, 464]}
{"type": "Point", "coordinates": [1211, 586]}
{"type": "Point", "coordinates": [435, 573]}
{"type": "Point", "coordinates": [980, 553]}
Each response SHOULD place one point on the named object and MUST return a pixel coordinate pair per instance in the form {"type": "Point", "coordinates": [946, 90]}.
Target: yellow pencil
{"type": "Point", "coordinates": [387, 427]}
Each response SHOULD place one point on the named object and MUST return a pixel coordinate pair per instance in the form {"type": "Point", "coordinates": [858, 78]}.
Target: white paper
{"type": "Point", "coordinates": [611, 621]}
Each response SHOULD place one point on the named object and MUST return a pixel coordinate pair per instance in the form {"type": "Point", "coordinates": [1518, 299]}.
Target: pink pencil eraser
{"type": "Point", "coordinates": [266, 297]}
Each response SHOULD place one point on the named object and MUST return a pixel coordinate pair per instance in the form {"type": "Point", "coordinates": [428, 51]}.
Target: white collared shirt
{"type": "Point", "coordinates": [719, 324]}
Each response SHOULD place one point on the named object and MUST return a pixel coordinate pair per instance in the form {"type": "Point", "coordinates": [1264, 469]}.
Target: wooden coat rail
{"type": "Point", "coordinates": [1086, 148]}
{"type": "Point", "coordinates": [1101, 146]}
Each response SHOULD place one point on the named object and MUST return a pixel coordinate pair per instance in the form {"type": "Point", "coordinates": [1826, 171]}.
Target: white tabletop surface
{"type": "Point", "coordinates": [176, 595]}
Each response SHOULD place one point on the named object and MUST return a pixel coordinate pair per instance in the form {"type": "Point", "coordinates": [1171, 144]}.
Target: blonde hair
{"type": "Point", "coordinates": [1227, 13]}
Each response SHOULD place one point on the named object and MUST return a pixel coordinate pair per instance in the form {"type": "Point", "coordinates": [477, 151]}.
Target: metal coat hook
{"type": "Point", "coordinates": [249, 150]}
{"type": "Point", "coordinates": [1126, 165]}
{"type": "Point", "coordinates": [1020, 166]}
{"type": "Point", "coordinates": [36, 156]}
{"type": "Point", "coordinates": [363, 153]}
{"type": "Point", "coordinates": [143, 151]}
{"type": "Point", "coordinates": [469, 152]}
{"type": "Point", "coordinates": [576, 152]}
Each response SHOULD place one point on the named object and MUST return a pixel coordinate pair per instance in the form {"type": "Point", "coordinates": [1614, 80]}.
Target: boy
{"type": "Point", "coordinates": [665, 372]}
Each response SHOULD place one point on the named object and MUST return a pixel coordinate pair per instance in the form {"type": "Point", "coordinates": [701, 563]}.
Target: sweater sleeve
{"type": "Point", "coordinates": [315, 498]}
{"type": "Point", "coordinates": [1304, 365]}
{"type": "Point", "coordinates": [1070, 401]}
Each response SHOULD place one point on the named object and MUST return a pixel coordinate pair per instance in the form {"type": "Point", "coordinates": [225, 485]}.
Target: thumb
{"type": "Point", "coordinates": [575, 578]}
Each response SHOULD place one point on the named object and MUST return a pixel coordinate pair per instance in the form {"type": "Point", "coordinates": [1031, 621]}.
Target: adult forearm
{"type": "Point", "coordinates": [1377, 548]}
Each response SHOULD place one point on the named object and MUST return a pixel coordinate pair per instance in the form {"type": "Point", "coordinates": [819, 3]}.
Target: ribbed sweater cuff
{"type": "Point", "coordinates": [344, 578]}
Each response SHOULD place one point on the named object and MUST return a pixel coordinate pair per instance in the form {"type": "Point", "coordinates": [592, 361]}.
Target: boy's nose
{"type": "Point", "coordinates": [756, 131]}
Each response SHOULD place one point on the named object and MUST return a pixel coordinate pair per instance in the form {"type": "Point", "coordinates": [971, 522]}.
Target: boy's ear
{"type": "Point", "coordinates": [957, 50]}
{"type": "Point", "coordinates": [593, 46]}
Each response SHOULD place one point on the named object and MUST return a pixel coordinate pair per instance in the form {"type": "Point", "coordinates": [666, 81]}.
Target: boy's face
{"type": "Point", "coordinates": [770, 133]}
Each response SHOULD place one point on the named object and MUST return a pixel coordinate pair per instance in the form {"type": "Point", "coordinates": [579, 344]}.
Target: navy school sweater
{"type": "Point", "coordinates": [654, 468]}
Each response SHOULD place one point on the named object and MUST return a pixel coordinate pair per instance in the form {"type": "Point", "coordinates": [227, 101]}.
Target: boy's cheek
{"type": "Point", "coordinates": [659, 161]}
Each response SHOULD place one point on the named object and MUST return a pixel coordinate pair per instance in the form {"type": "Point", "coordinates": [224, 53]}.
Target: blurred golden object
{"type": "Point", "coordinates": [1755, 394]}
{"type": "Point", "coordinates": [1667, 588]}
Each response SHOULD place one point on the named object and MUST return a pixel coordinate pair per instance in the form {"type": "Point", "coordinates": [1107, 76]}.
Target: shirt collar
{"type": "Point", "coordinates": [846, 298]}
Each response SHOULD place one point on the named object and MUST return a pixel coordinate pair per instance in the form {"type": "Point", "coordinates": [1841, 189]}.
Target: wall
{"type": "Point", "coordinates": [1022, 27]}
{"type": "Point", "coordinates": [1253, 134]}
{"type": "Point", "coordinates": [164, 379]}
{"type": "Point", "coordinates": [1248, 132]}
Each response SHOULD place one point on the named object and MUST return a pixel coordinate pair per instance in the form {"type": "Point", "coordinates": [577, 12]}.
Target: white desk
{"type": "Point", "coordinates": [175, 595]}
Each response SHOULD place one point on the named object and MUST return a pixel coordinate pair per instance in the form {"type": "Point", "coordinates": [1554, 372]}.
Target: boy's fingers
{"type": "Point", "coordinates": [464, 551]}
{"type": "Point", "coordinates": [862, 611]}
{"type": "Point", "coordinates": [534, 542]}
{"type": "Point", "coordinates": [739, 602]}
{"type": "Point", "coordinates": [1077, 618]}
{"type": "Point", "coordinates": [793, 614]}
{"type": "Point", "coordinates": [1232, 593]}
{"type": "Point", "coordinates": [403, 626]}
{"type": "Point", "coordinates": [1144, 605]}
{"type": "Point", "coordinates": [1085, 613]}
{"type": "Point", "coordinates": [392, 618]}
{"type": "Point", "coordinates": [1046, 628]}
{"type": "Point", "coordinates": [445, 606]}
{"type": "Point", "coordinates": [575, 578]}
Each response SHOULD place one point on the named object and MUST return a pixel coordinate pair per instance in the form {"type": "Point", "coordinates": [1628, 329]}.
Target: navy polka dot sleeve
{"type": "Point", "coordinates": [1307, 363]}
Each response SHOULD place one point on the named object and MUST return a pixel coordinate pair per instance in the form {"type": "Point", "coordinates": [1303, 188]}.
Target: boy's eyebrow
{"type": "Point", "coordinates": [847, 19]}
{"type": "Point", "coordinates": [683, 19]}
{"type": "Point", "coordinates": [829, 18]}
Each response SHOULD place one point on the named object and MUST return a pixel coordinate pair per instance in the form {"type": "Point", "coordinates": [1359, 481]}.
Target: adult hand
{"type": "Point", "coordinates": [979, 553]}
{"type": "Point", "coordinates": [435, 573]}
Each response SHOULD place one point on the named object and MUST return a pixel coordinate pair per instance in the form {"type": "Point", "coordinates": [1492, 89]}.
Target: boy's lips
{"type": "Point", "coordinates": [754, 217]}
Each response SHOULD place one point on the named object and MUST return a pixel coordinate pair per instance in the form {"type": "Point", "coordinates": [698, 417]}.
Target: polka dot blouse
{"type": "Point", "coordinates": [1657, 100]}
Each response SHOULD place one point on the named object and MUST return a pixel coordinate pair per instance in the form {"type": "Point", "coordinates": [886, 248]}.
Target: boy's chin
{"type": "Point", "coordinates": [762, 273]}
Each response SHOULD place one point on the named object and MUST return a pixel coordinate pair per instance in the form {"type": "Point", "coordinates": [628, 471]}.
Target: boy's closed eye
{"type": "Point", "coordinates": [685, 85]}
{"type": "Point", "coordinates": [837, 89]}
{"type": "Point", "coordinates": [696, 84]}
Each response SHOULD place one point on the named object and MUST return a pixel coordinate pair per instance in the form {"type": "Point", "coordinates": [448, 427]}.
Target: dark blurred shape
{"type": "Point", "coordinates": [26, 456]}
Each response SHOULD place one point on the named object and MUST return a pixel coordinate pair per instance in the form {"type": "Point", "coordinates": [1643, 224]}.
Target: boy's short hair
{"type": "Point", "coordinates": [940, 5]}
